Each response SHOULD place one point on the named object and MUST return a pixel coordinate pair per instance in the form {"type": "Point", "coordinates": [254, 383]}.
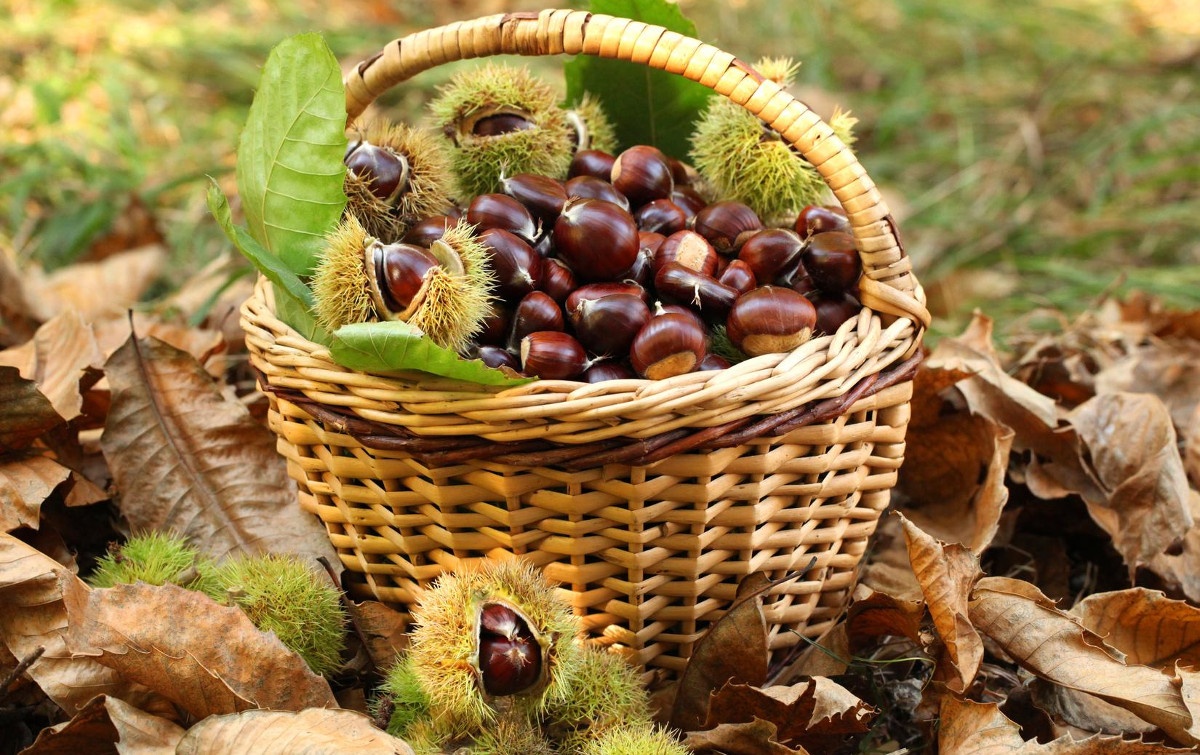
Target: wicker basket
{"type": "Point", "coordinates": [647, 501]}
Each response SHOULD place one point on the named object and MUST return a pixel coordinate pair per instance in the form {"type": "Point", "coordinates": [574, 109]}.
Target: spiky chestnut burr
{"type": "Point", "coordinates": [281, 594]}
{"type": "Point", "coordinates": [358, 277]}
{"type": "Point", "coordinates": [156, 558]}
{"type": "Point", "coordinates": [396, 174]}
{"type": "Point", "coordinates": [592, 130]}
{"type": "Point", "coordinates": [608, 694]}
{"type": "Point", "coordinates": [407, 700]}
{"type": "Point", "coordinates": [478, 609]}
{"type": "Point", "coordinates": [744, 160]}
{"type": "Point", "coordinates": [502, 121]}
{"type": "Point", "coordinates": [635, 739]}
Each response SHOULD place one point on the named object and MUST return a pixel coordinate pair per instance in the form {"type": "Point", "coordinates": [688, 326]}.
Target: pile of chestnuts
{"type": "Point", "coordinates": [623, 270]}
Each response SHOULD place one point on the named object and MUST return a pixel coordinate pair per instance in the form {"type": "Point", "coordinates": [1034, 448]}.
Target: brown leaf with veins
{"type": "Point", "coordinates": [96, 289]}
{"type": "Point", "coordinates": [971, 728]}
{"type": "Point", "coordinates": [888, 569]}
{"type": "Point", "coordinates": [757, 737]}
{"type": "Point", "coordinates": [1054, 646]}
{"type": "Point", "coordinates": [1141, 495]}
{"type": "Point", "coordinates": [875, 614]}
{"type": "Point", "coordinates": [1164, 368]}
{"type": "Point", "coordinates": [111, 723]}
{"type": "Point", "coordinates": [63, 359]}
{"type": "Point", "coordinates": [204, 344]}
{"type": "Point", "coordinates": [32, 615]}
{"type": "Point", "coordinates": [25, 413]}
{"type": "Point", "coordinates": [946, 573]}
{"type": "Point", "coordinates": [206, 658]}
{"type": "Point", "coordinates": [383, 628]}
{"type": "Point", "coordinates": [809, 714]}
{"type": "Point", "coordinates": [1180, 571]}
{"type": "Point", "coordinates": [25, 483]}
{"type": "Point", "coordinates": [1145, 625]}
{"type": "Point", "coordinates": [189, 460]}
{"type": "Point", "coordinates": [312, 732]}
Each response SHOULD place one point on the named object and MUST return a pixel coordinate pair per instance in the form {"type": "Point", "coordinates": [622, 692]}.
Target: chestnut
{"type": "Point", "coordinates": [689, 200]}
{"type": "Point", "coordinates": [510, 658]}
{"type": "Point", "coordinates": [518, 269]}
{"type": "Point", "coordinates": [689, 249]}
{"type": "Point", "coordinates": [501, 123]}
{"type": "Point", "coordinates": [683, 285]}
{"type": "Point", "coordinates": [591, 162]}
{"type": "Point", "coordinates": [769, 251]}
{"type": "Point", "coordinates": [722, 222]}
{"type": "Point", "coordinates": [713, 361]}
{"type": "Point", "coordinates": [496, 356]}
{"type": "Point", "coordinates": [598, 240]}
{"type": "Point", "coordinates": [557, 279]}
{"type": "Point", "coordinates": [606, 326]}
{"type": "Point", "coordinates": [428, 230]}
{"type": "Point", "coordinates": [552, 355]}
{"type": "Point", "coordinates": [537, 311]}
{"type": "Point", "coordinates": [593, 291]}
{"type": "Point", "coordinates": [642, 174]}
{"type": "Point", "coordinates": [738, 276]}
{"type": "Point", "coordinates": [384, 171]}
{"type": "Point", "coordinates": [607, 370]}
{"type": "Point", "coordinates": [669, 344]}
{"type": "Point", "coordinates": [401, 270]}
{"type": "Point", "coordinates": [662, 216]}
{"type": "Point", "coordinates": [833, 310]}
{"type": "Point", "coordinates": [832, 261]}
{"type": "Point", "coordinates": [496, 325]}
{"type": "Point", "coordinates": [543, 196]}
{"type": "Point", "coordinates": [769, 320]}
{"type": "Point", "coordinates": [590, 187]}
{"type": "Point", "coordinates": [502, 211]}
{"type": "Point", "coordinates": [820, 218]}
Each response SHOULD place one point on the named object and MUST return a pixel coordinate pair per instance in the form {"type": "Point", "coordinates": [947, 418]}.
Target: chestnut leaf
{"type": "Point", "coordinates": [289, 159]}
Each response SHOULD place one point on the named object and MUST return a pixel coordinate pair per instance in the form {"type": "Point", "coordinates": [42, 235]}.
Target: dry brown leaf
{"type": "Point", "coordinates": [970, 728]}
{"type": "Point", "coordinates": [187, 459]}
{"type": "Point", "coordinates": [1145, 625]}
{"type": "Point", "coordinates": [206, 658]}
{"type": "Point", "coordinates": [25, 483]}
{"type": "Point", "coordinates": [828, 655]}
{"type": "Point", "coordinates": [887, 568]}
{"type": "Point", "coordinates": [1085, 712]}
{"type": "Point", "coordinates": [96, 289]}
{"type": "Point", "coordinates": [733, 650]}
{"type": "Point", "coordinates": [754, 738]}
{"type": "Point", "coordinates": [312, 732]}
{"type": "Point", "coordinates": [204, 344]}
{"type": "Point", "coordinates": [1180, 571]}
{"type": "Point", "coordinates": [112, 724]}
{"type": "Point", "coordinates": [806, 714]}
{"type": "Point", "coordinates": [874, 614]}
{"type": "Point", "coordinates": [1141, 499]}
{"type": "Point", "coordinates": [1052, 645]}
{"type": "Point", "coordinates": [61, 355]}
{"type": "Point", "coordinates": [1165, 368]}
{"type": "Point", "coordinates": [1191, 448]}
{"type": "Point", "coordinates": [946, 573]}
{"type": "Point", "coordinates": [17, 321]}
{"type": "Point", "coordinates": [383, 628]}
{"type": "Point", "coordinates": [25, 413]}
{"type": "Point", "coordinates": [32, 615]}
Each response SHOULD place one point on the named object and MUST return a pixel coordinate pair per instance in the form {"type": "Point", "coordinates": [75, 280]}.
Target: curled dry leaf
{"type": "Point", "coordinates": [202, 343]}
{"type": "Point", "coordinates": [25, 413]}
{"type": "Point", "coordinates": [946, 573]}
{"type": "Point", "coordinates": [32, 615]}
{"type": "Point", "coordinates": [1054, 646]}
{"type": "Point", "coordinates": [758, 737]}
{"type": "Point", "coordinates": [874, 614]}
{"type": "Point", "coordinates": [1141, 493]}
{"type": "Point", "coordinates": [807, 714]}
{"type": "Point", "coordinates": [1145, 625]}
{"type": "Point", "coordinates": [206, 658]}
{"type": "Point", "coordinates": [888, 569]}
{"type": "Point", "coordinates": [312, 731]}
{"type": "Point", "coordinates": [63, 359]}
{"type": "Point", "coordinates": [96, 289]}
{"type": "Point", "coordinates": [1165, 368]}
{"type": "Point", "coordinates": [112, 722]}
{"type": "Point", "coordinates": [185, 458]}
{"type": "Point", "coordinates": [384, 630]}
{"type": "Point", "coordinates": [25, 483]}
{"type": "Point", "coordinates": [1180, 571]}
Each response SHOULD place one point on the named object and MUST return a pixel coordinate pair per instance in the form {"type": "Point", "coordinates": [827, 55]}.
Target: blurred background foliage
{"type": "Point", "coordinates": [1037, 153]}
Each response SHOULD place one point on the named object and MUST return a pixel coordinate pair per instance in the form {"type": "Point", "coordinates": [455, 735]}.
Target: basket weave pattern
{"type": "Point", "coordinates": [647, 501]}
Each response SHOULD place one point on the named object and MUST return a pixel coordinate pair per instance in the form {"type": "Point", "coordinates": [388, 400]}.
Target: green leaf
{"type": "Point", "coordinates": [395, 346]}
{"type": "Point", "coordinates": [646, 106]}
{"type": "Point", "coordinates": [289, 166]}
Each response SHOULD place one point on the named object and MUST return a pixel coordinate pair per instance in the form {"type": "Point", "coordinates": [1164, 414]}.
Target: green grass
{"type": "Point", "coordinates": [1049, 143]}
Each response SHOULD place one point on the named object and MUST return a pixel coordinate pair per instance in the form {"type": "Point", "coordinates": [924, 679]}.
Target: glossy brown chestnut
{"type": "Point", "coordinates": [497, 356]}
{"type": "Point", "coordinates": [722, 222]}
{"type": "Point", "coordinates": [593, 291]}
{"type": "Point", "coordinates": [400, 271]}
{"type": "Point", "coordinates": [537, 311]}
{"type": "Point", "coordinates": [688, 200]}
{"type": "Point", "coordinates": [543, 196]}
{"type": "Point", "coordinates": [769, 320]}
{"type": "Point", "coordinates": [713, 361]}
{"type": "Point", "coordinates": [689, 249]}
{"type": "Point", "coordinates": [501, 123]}
{"type": "Point", "coordinates": [682, 285]}
{"type": "Point", "coordinates": [832, 261]}
{"type": "Point", "coordinates": [428, 230]}
{"type": "Point", "coordinates": [670, 344]}
{"type": "Point", "coordinates": [607, 370]}
{"type": "Point", "coordinates": [590, 187]}
{"type": "Point", "coordinates": [557, 280]}
{"type": "Point", "coordinates": [820, 218]}
{"type": "Point", "coordinates": [502, 211]}
{"type": "Point", "coordinates": [833, 310]}
{"type": "Point", "coordinates": [552, 355]}
{"type": "Point", "coordinates": [598, 240]}
{"type": "Point", "coordinates": [510, 658]}
{"type": "Point", "coordinates": [384, 171]}
{"type": "Point", "coordinates": [518, 269]}
{"type": "Point", "coordinates": [661, 216]}
{"type": "Point", "coordinates": [769, 251]}
{"type": "Point", "coordinates": [606, 326]}
{"type": "Point", "coordinates": [642, 174]}
{"type": "Point", "coordinates": [591, 162]}
{"type": "Point", "coordinates": [496, 326]}
{"type": "Point", "coordinates": [738, 276]}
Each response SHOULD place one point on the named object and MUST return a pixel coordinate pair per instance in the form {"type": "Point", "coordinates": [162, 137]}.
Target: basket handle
{"type": "Point", "coordinates": [888, 285]}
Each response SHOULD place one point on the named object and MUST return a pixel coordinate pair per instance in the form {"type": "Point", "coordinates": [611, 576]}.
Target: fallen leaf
{"type": "Point", "coordinates": [111, 722]}
{"type": "Point", "coordinates": [1085, 712]}
{"type": "Point", "coordinates": [189, 460]}
{"type": "Point", "coordinates": [754, 738]}
{"type": "Point", "coordinates": [1191, 448]}
{"type": "Point", "coordinates": [383, 628]}
{"type": "Point", "coordinates": [946, 573]}
{"type": "Point", "coordinates": [1052, 645]}
{"type": "Point", "coordinates": [1130, 450]}
{"type": "Point", "coordinates": [828, 655]}
{"type": "Point", "coordinates": [25, 483]}
{"type": "Point", "coordinates": [807, 714]}
{"type": "Point", "coordinates": [32, 615]}
{"type": "Point", "coordinates": [1145, 625]}
{"type": "Point", "coordinates": [25, 413]}
{"type": "Point", "coordinates": [206, 658]}
{"type": "Point", "coordinates": [204, 344]}
{"type": "Point", "coordinates": [96, 289]}
{"type": "Point", "coordinates": [61, 355]}
{"type": "Point", "coordinates": [734, 649]}
{"type": "Point", "coordinates": [1180, 571]}
{"type": "Point", "coordinates": [1165, 368]}
{"type": "Point", "coordinates": [971, 728]}
{"type": "Point", "coordinates": [312, 732]}
{"type": "Point", "coordinates": [887, 568]}
{"type": "Point", "coordinates": [17, 321]}
{"type": "Point", "coordinates": [874, 614]}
